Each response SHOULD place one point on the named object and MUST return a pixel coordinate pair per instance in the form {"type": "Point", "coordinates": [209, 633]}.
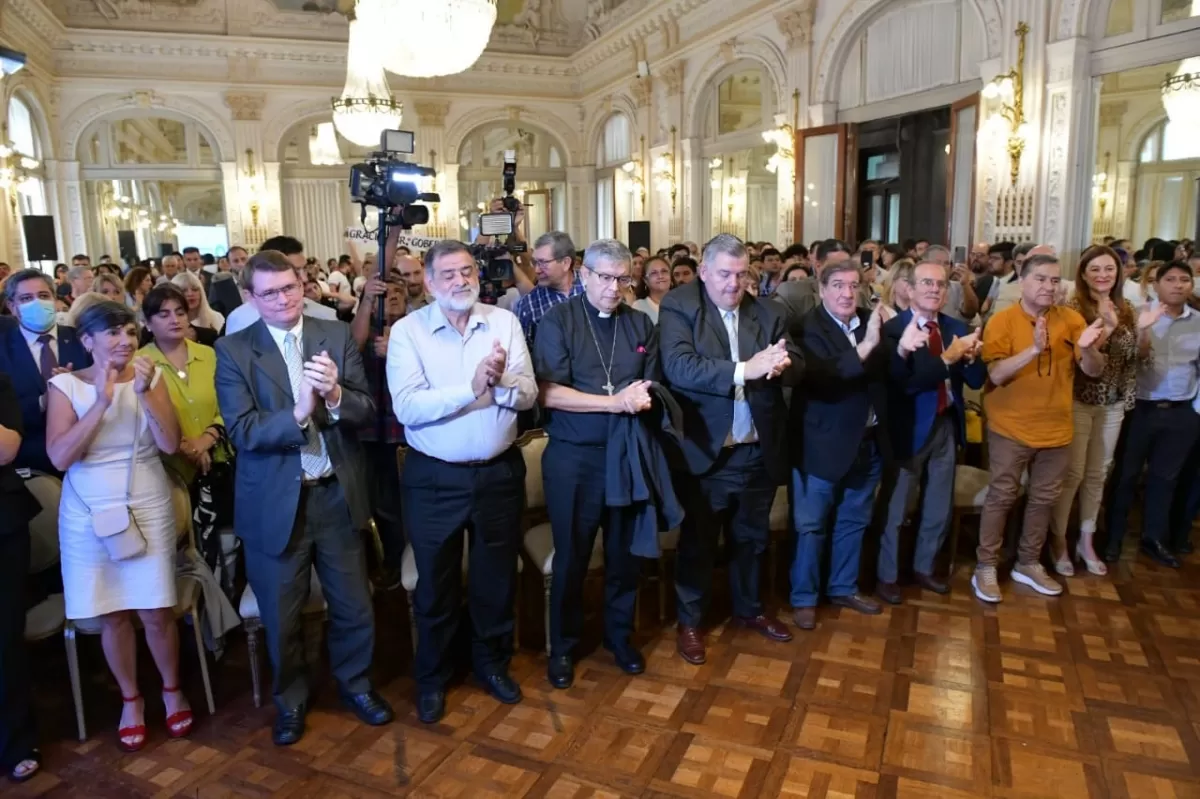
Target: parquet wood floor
{"type": "Point", "coordinates": [1094, 694]}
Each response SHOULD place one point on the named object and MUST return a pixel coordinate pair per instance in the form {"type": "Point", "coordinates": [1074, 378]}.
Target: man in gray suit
{"type": "Point", "coordinates": [293, 394]}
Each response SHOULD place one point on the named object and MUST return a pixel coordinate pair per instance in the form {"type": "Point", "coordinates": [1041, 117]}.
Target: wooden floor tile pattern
{"type": "Point", "coordinates": [1094, 694]}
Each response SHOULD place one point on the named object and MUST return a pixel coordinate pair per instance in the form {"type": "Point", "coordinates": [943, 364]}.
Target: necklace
{"type": "Point", "coordinates": [608, 384]}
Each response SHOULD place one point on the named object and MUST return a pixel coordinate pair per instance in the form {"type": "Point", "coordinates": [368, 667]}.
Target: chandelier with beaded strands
{"type": "Point", "coordinates": [435, 37]}
{"type": "Point", "coordinates": [1181, 90]}
{"type": "Point", "coordinates": [366, 108]}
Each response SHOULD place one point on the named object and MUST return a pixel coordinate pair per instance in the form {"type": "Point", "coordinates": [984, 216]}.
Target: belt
{"type": "Point", "coordinates": [472, 464]}
{"type": "Point", "coordinates": [328, 479]}
{"type": "Point", "coordinates": [1164, 403]}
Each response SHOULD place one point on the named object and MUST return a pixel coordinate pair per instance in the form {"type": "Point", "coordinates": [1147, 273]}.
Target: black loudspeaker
{"type": "Point", "coordinates": [639, 235]}
{"type": "Point", "coordinates": [40, 244]}
{"type": "Point", "coordinates": [127, 245]}
{"type": "Point", "coordinates": [165, 249]}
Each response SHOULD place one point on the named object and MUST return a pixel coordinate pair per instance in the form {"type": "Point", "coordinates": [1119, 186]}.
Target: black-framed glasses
{"type": "Point", "coordinates": [624, 281]}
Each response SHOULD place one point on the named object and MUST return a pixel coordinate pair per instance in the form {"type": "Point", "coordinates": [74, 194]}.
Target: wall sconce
{"type": "Point", "coordinates": [783, 136]}
{"type": "Point", "coordinates": [664, 171]}
{"type": "Point", "coordinates": [253, 190]}
{"type": "Point", "coordinates": [15, 169]}
{"type": "Point", "coordinates": [1008, 91]}
{"type": "Point", "coordinates": [1100, 185]}
{"type": "Point", "coordinates": [633, 169]}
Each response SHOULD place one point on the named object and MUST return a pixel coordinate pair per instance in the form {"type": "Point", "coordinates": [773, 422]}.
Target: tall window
{"type": "Point", "coordinates": [1168, 167]}
{"type": "Point", "coordinates": [1170, 141]}
{"type": "Point", "coordinates": [615, 146]}
{"type": "Point", "coordinates": [31, 192]}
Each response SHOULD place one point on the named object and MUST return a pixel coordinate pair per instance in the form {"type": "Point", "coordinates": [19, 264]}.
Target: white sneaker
{"type": "Point", "coordinates": [1034, 576]}
{"type": "Point", "coordinates": [985, 584]}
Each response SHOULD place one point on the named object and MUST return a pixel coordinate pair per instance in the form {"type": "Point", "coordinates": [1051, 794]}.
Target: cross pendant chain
{"type": "Point", "coordinates": [608, 387]}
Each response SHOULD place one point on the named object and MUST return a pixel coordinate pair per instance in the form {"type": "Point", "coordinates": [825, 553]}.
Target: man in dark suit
{"type": "Point", "coordinates": [723, 354]}
{"type": "Point", "coordinates": [933, 356]}
{"type": "Point", "coordinates": [798, 297]}
{"type": "Point", "coordinates": [18, 740]}
{"type": "Point", "coordinates": [293, 394]}
{"type": "Point", "coordinates": [33, 348]}
{"type": "Point", "coordinates": [838, 417]}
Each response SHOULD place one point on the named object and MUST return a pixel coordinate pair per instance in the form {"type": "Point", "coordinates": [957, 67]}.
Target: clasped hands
{"type": "Point", "coordinates": [320, 380]}
{"type": "Point", "coordinates": [968, 346]}
{"type": "Point", "coordinates": [490, 369]}
{"type": "Point", "coordinates": [768, 363]}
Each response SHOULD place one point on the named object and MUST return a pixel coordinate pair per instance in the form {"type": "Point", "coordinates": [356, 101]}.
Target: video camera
{"type": "Point", "coordinates": [496, 260]}
{"type": "Point", "coordinates": [383, 181]}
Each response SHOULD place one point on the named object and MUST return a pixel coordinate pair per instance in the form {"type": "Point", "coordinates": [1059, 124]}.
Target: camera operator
{"type": "Point", "coordinates": [522, 271]}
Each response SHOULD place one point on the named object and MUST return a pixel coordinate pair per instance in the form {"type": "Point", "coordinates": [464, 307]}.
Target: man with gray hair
{"type": "Point", "coordinates": [594, 357]}
{"type": "Point", "coordinates": [81, 279]}
{"type": "Point", "coordinates": [172, 265]}
{"type": "Point", "coordinates": [961, 302]}
{"type": "Point", "coordinates": [557, 280]}
{"type": "Point", "coordinates": [458, 372]}
{"type": "Point", "coordinates": [724, 354]}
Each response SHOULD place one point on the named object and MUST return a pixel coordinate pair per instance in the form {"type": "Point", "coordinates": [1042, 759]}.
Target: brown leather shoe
{"type": "Point", "coordinates": [931, 583]}
{"type": "Point", "coordinates": [889, 593]}
{"type": "Point", "coordinates": [767, 626]}
{"type": "Point", "coordinates": [805, 618]}
{"type": "Point", "coordinates": [689, 642]}
{"type": "Point", "coordinates": [859, 603]}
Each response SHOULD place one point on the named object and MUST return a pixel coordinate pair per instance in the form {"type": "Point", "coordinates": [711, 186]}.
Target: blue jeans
{"type": "Point", "coordinates": [851, 501]}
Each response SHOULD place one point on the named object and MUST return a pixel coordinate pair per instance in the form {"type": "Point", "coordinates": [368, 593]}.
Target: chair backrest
{"type": "Point", "coordinates": [43, 530]}
{"type": "Point", "coordinates": [181, 502]}
{"type": "Point", "coordinates": [532, 446]}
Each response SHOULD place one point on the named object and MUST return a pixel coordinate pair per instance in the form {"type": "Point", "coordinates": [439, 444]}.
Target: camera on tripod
{"type": "Point", "coordinates": [384, 181]}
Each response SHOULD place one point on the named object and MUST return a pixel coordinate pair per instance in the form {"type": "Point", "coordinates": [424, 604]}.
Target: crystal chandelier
{"type": "Point", "coordinates": [323, 147]}
{"type": "Point", "coordinates": [440, 37]}
{"type": "Point", "coordinates": [366, 107]}
{"type": "Point", "coordinates": [1181, 94]}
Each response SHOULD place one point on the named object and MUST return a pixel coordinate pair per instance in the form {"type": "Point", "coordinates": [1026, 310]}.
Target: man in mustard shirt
{"type": "Point", "coordinates": [1031, 350]}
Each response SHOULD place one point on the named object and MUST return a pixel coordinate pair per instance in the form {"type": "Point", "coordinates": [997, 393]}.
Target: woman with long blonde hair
{"type": "Point", "coordinates": [199, 312]}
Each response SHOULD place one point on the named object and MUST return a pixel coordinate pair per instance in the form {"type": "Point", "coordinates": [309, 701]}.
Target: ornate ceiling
{"type": "Point", "coordinates": [550, 27]}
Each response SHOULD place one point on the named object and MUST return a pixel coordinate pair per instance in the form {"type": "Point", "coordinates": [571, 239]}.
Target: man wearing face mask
{"type": "Point", "coordinates": [33, 348]}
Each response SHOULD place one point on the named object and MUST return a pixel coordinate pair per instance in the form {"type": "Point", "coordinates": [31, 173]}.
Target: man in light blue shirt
{"type": "Point", "coordinates": [1163, 426]}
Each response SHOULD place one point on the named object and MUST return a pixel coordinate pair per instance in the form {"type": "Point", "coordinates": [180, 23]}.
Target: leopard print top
{"type": "Point", "coordinates": [1118, 382]}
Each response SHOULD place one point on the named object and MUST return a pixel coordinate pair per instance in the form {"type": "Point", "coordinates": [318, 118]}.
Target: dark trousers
{"type": "Point", "coordinates": [574, 482]}
{"type": "Point", "coordinates": [1186, 505]}
{"type": "Point", "coordinates": [441, 500]}
{"type": "Point", "coordinates": [324, 538]}
{"type": "Point", "coordinates": [17, 734]}
{"type": "Point", "coordinates": [1160, 438]}
{"type": "Point", "coordinates": [736, 494]}
{"type": "Point", "coordinates": [385, 499]}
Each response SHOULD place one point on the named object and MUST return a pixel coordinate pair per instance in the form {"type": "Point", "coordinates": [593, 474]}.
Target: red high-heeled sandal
{"type": "Point", "coordinates": [137, 732]}
{"type": "Point", "coordinates": [179, 723]}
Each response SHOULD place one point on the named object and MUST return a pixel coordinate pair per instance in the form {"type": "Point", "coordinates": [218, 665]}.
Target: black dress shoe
{"type": "Point", "coordinates": [1112, 555]}
{"type": "Point", "coordinates": [370, 707]}
{"type": "Point", "coordinates": [502, 688]}
{"type": "Point", "coordinates": [1159, 554]}
{"type": "Point", "coordinates": [431, 706]}
{"type": "Point", "coordinates": [931, 583]}
{"type": "Point", "coordinates": [889, 593]}
{"type": "Point", "coordinates": [1185, 548]}
{"type": "Point", "coordinates": [560, 671]}
{"type": "Point", "coordinates": [628, 659]}
{"type": "Point", "coordinates": [289, 727]}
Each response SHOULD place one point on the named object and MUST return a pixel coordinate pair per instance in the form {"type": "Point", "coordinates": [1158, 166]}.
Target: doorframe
{"type": "Point", "coordinates": [955, 107]}
{"type": "Point", "coordinates": [842, 130]}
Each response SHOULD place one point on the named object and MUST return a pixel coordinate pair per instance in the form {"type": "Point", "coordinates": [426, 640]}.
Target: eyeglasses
{"type": "Point", "coordinates": [272, 295]}
{"type": "Point", "coordinates": [542, 263]}
{"type": "Point", "coordinates": [930, 283]}
{"type": "Point", "coordinates": [624, 281]}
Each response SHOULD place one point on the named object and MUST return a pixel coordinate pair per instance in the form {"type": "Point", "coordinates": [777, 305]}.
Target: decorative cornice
{"type": "Point", "coordinates": [673, 78]}
{"type": "Point", "coordinates": [796, 23]}
{"type": "Point", "coordinates": [432, 114]}
{"type": "Point", "coordinates": [246, 106]}
{"type": "Point", "coordinates": [642, 89]}
{"type": "Point", "coordinates": [1111, 113]}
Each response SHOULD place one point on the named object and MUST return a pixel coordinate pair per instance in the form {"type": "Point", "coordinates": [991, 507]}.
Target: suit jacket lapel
{"type": "Point", "coordinates": [712, 315]}
{"type": "Point", "coordinates": [269, 359]}
{"type": "Point", "coordinates": [749, 332]}
{"type": "Point", "coordinates": [314, 340]}
{"type": "Point", "coordinates": [833, 329]}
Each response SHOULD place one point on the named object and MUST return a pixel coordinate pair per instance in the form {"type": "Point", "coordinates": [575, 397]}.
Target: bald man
{"type": "Point", "coordinates": [413, 274]}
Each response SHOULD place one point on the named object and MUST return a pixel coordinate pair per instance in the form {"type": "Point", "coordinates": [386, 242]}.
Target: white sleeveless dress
{"type": "Point", "coordinates": [93, 583]}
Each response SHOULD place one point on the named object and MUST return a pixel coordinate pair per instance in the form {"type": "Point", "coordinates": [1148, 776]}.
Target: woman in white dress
{"type": "Point", "coordinates": [105, 426]}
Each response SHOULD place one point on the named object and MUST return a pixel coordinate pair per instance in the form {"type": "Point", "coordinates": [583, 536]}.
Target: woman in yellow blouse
{"type": "Point", "coordinates": [189, 370]}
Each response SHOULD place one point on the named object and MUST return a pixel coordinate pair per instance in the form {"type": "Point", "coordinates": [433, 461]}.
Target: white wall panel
{"type": "Point", "coordinates": [912, 50]}
{"type": "Point", "coordinates": [315, 211]}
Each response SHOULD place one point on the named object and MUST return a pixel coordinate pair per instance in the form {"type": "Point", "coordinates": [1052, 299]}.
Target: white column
{"type": "Point", "coordinates": [690, 223]}
{"type": "Point", "coordinates": [1072, 105]}
{"type": "Point", "coordinates": [581, 204]}
{"type": "Point", "coordinates": [448, 208]}
{"type": "Point", "coordinates": [10, 231]}
{"type": "Point", "coordinates": [71, 202]}
{"type": "Point", "coordinates": [233, 205]}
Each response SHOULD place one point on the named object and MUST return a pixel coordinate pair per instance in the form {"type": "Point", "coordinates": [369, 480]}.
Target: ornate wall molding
{"type": "Point", "coordinates": [673, 78]}
{"type": "Point", "coordinates": [245, 106]}
{"type": "Point", "coordinates": [140, 101]}
{"type": "Point", "coordinates": [44, 108]}
{"type": "Point", "coordinates": [303, 112]}
{"type": "Point", "coordinates": [855, 18]}
{"type": "Point", "coordinates": [762, 52]}
{"type": "Point", "coordinates": [566, 137]}
{"type": "Point", "coordinates": [796, 23]}
{"type": "Point", "coordinates": [1057, 164]}
{"type": "Point", "coordinates": [642, 89]}
{"type": "Point", "coordinates": [1111, 113]}
{"type": "Point", "coordinates": [1135, 135]}
{"type": "Point", "coordinates": [595, 121]}
{"type": "Point", "coordinates": [1067, 18]}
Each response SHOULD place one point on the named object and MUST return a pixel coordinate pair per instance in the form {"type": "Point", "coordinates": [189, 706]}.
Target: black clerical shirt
{"type": "Point", "coordinates": [568, 352]}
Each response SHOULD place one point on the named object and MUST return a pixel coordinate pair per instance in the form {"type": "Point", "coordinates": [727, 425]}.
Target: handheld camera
{"type": "Point", "coordinates": [496, 260]}
{"type": "Point", "coordinates": [384, 181]}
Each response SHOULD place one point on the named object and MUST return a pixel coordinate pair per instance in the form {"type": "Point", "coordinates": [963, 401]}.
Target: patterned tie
{"type": "Point", "coordinates": [935, 349]}
{"type": "Point", "coordinates": [742, 423]}
{"type": "Point", "coordinates": [313, 459]}
{"type": "Point", "coordinates": [48, 363]}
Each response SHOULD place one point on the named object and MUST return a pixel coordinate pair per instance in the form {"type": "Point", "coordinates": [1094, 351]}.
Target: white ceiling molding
{"type": "Point", "coordinates": [140, 102]}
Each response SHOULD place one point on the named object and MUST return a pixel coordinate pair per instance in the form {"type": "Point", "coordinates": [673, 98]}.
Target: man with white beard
{"type": "Point", "coordinates": [459, 371]}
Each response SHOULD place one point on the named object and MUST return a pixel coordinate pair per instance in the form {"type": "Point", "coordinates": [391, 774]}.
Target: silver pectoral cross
{"type": "Point", "coordinates": [608, 387]}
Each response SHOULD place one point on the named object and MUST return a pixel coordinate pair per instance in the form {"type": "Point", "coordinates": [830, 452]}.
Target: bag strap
{"type": "Point", "coordinates": [137, 444]}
